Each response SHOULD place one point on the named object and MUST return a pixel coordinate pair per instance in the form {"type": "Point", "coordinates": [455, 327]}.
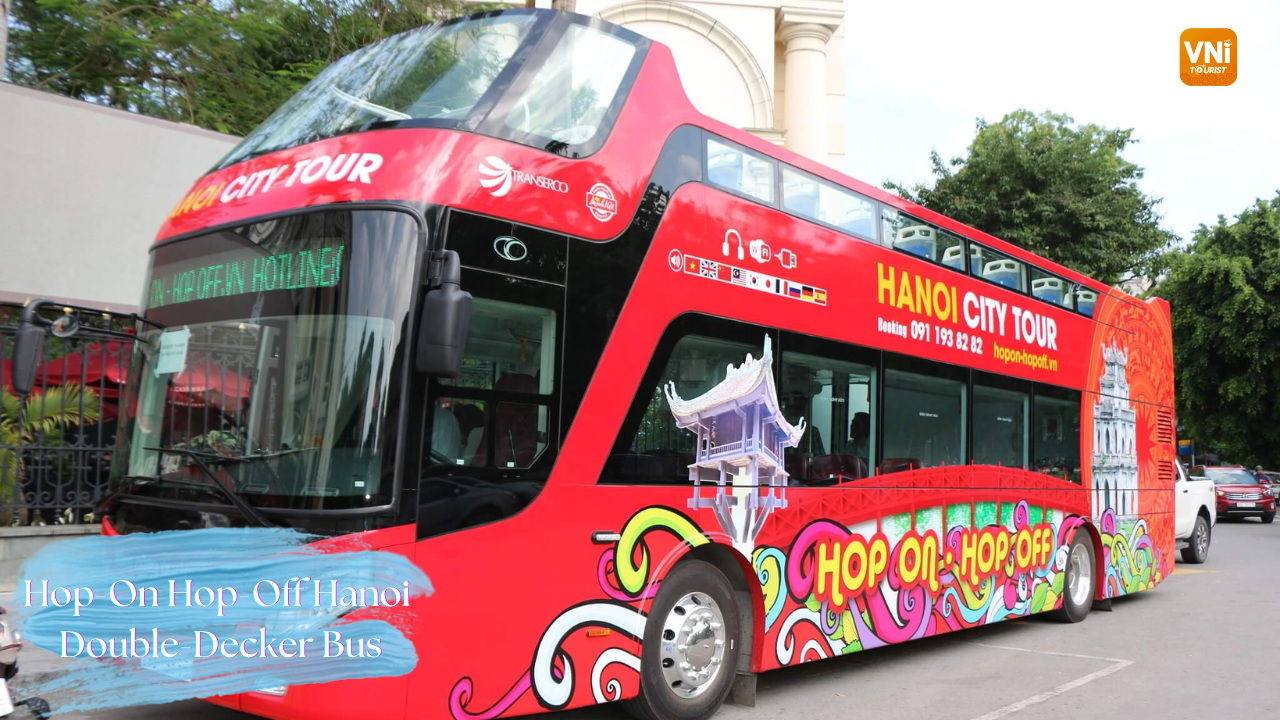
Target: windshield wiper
{"type": "Point", "coordinates": [372, 107]}
{"type": "Point", "coordinates": [245, 508]}
{"type": "Point", "coordinates": [256, 456]}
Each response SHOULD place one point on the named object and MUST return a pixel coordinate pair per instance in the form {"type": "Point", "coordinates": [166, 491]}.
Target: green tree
{"type": "Point", "coordinates": [1059, 190]}
{"type": "Point", "coordinates": [221, 64]}
{"type": "Point", "coordinates": [39, 416]}
{"type": "Point", "coordinates": [1224, 290]}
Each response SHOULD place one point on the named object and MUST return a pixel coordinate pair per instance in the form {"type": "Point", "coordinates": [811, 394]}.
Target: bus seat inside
{"type": "Point", "coordinates": [831, 469]}
{"type": "Point", "coordinates": [1086, 300]}
{"type": "Point", "coordinates": [893, 465]}
{"type": "Point", "coordinates": [917, 240]}
{"type": "Point", "coordinates": [1003, 272]}
{"type": "Point", "coordinates": [1049, 289]}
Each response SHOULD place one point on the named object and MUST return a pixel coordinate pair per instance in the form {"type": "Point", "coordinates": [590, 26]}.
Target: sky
{"type": "Point", "coordinates": [920, 72]}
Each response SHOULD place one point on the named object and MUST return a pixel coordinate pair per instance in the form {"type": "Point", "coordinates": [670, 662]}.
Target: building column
{"type": "Point", "coordinates": [805, 32]}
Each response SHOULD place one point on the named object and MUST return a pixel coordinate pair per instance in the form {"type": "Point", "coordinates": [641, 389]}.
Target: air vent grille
{"type": "Point", "coordinates": [1164, 426]}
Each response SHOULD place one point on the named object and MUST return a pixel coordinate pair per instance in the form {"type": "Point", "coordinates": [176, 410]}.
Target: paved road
{"type": "Point", "coordinates": [1199, 646]}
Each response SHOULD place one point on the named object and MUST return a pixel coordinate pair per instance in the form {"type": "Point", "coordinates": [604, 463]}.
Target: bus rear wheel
{"type": "Point", "coordinates": [690, 653]}
{"type": "Point", "coordinates": [1078, 585]}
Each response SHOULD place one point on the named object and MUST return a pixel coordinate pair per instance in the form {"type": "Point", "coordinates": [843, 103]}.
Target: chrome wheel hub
{"type": "Point", "coordinates": [1079, 575]}
{"type": "Point", "coordinates": [693, 644]}
{"type": "Point", "coordinates": [1202, 539]}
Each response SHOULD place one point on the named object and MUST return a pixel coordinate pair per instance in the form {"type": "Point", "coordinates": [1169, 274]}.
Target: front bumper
{"type": "Point", "coordinates": [1239, 508]}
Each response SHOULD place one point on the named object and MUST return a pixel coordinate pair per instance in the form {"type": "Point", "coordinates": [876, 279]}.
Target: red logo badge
{"type": "Point", "coordinates": [601, 202]}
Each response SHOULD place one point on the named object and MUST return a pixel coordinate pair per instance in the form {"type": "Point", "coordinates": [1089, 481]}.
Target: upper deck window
{"type": "Point", "coordinates": [999, 268]}
{"type": "Point", "coordinates": [569, 98]}
{"type": "Point", "coordinates": [813, 198]}
{"type": "Point", "coordinates": [917, 237]}
{"type": "Point", "coordinates": [740, 170]}
{"type": "Point", "coordinates": [1051, 288]}
{"type": "Point", "coordinates": [437, 72]}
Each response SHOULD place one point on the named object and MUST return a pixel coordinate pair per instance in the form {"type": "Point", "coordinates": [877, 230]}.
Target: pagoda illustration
{"type": "Point", "coordinates": [742, 436]}
{"type": "Point", "coordinates": [1115, 457]}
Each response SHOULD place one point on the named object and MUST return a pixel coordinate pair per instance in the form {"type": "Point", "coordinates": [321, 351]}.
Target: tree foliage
{"type": "Point", "coordinates": [1225, 293]}
{"type": "Point", "coordinates": [220, 64]}
{"type": "Point", "coordinates": [39, 416]}
{"type": "Point", "coordinates": [1058, 190]}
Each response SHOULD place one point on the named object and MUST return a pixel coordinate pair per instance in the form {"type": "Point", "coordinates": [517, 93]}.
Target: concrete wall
{"type": "Point", "coordinates": [19, 543]}
{"type": "Point", "coordinates": [83, 190]}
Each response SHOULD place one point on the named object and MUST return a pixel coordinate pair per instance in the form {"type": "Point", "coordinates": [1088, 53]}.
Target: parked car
{"type": "Point", "coordinates": [1195, 512]}
{"type": "Point", "coordinates": [1239, 493]}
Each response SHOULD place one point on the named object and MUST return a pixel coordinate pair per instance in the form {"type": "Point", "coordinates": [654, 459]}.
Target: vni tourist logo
{"type": "Point", "coordinates": [601, 202]}
{"type": "Point", "coordinates": [497, 176]}
{"type": "Point", "coordinates": [1207, 56]}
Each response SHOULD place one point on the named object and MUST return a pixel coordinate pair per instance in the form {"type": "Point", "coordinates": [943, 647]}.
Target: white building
{"type": "Point", "coordinates": [771, 67]}
{"type": "Point", "coordinates": [84, 189]}
{"type": "Point", "coordinates": [1115, 456]}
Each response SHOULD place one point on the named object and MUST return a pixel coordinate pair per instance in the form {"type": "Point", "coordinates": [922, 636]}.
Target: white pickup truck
{"type": "Point", "coordinates": [1194, 515]}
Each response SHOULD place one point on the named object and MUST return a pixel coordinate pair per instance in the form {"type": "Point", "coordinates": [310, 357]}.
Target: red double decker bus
{"type": "Point", "coordinates": [711, 408]}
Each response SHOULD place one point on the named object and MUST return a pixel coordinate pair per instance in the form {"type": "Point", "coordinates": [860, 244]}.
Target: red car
{"type": "Point", "coordinates": [1239, 494]}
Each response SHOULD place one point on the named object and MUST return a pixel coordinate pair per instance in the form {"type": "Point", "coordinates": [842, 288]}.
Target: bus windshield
{"type": "Point", "coordinates": [436, 72]}
{"type": "Point", "coordinates": [274, 362]}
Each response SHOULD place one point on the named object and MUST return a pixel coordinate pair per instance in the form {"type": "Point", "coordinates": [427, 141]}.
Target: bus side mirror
{"type": "Point", "coordinates": [26, 348]}
{"type": "Point", "coordinates": [26, 358]}
{"type": "Point", "coordinates": [445, 320]}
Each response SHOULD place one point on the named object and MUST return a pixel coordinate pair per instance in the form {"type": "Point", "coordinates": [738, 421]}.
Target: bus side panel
{"type": "Point", "coordinates": [517, 621]}
{"type": "Point", "coordinates": [1127, 443]}
{"type": "Point", "coordinates": [915, 554]}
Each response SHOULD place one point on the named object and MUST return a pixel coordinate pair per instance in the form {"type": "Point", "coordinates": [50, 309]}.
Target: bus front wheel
{"type": "Point", "coordinates": [1078, 585]}
{"type": "Point", "coordinates": [690, 652]}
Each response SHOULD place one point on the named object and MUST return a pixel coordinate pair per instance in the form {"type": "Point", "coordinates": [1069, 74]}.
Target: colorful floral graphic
{"type": "Point", "coordinates": [834, 590]}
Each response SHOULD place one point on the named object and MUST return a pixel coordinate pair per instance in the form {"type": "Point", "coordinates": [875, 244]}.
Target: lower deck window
{"type": "Point", "coordinates": [923, 421]}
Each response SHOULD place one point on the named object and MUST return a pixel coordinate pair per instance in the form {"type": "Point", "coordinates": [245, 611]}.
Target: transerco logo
{"type": "Point", "coordinates": [509, 248]}
{"type": "Point", "coordinates": [497, 177]}
{"type": "Point", "coordinates": [601, 202]}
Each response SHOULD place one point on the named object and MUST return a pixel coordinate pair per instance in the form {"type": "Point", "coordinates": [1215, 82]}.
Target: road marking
{"type": "Point", "coordinates": [1115, 666]}
{"type": "Point", "coordinates": [1180, 571]}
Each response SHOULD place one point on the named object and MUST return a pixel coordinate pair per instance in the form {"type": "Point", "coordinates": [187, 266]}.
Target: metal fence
{"type": "Point", "coordinates": [55, 448]}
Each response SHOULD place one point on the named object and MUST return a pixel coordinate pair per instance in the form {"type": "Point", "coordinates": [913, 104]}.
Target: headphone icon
{"type": "Point", "coordinates": [725, 247]}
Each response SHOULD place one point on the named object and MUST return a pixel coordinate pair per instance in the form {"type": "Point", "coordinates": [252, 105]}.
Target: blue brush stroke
{"type": "Point", "coordinates": [216, 557]}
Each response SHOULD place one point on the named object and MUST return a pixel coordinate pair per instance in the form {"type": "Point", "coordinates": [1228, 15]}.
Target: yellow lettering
{"type": "Point", "coordinates": [185, 205]}
{"type": "Point", "coordinates": [1002, 547]}
{"type": "Point", "coordinates": [853, 574]}
{"type": "Point", "coordinates": [986, 554]}
{"type": "Point", "coordinates": [942, 301]}
{"type": "Point", "coordinates": [929, 558]}
{"type": "Point", "coordinates": [969, 556]}
{"type": "Point", "coordinates": [909, 560]}
{"type": "Point", "coordinates": [904, 293]}
{"type": "Point", "coordinates": [924, 295]}
{"type": "Point", "coordinates": [878, 560]}
{"type": "Point", "coordinates": [884, 284]}
{"type": "Point", "coordinates": [829, 571]}
{"type": "Point", "coordinates": [1022, 550]}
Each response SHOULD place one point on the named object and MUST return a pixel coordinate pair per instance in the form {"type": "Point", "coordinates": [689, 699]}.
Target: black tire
{"type": "Point", "coordinates": [1197, 549]}
{"type": "Point", "coordinates": [658, 700]}
{"type": "Point", "coordinates": [1073, 610]}
{"type": "Point", "coordinates": [1269, 518]}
